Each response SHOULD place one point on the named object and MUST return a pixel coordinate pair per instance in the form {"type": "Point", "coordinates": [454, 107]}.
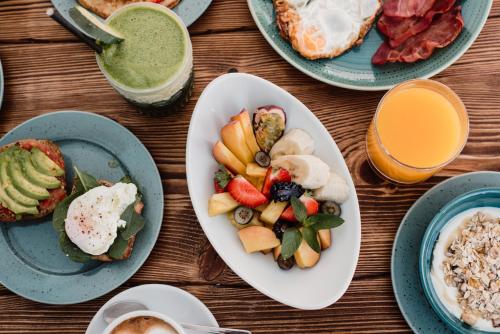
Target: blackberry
{"type": "Point", "coordinates": [284, 191]}
{"type": "Point", "coordinates": [280, 227]}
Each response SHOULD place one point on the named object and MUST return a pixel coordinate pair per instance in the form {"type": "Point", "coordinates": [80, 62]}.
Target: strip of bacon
{"type": "Point", "coordinates": [443, 31]}
{"type": "Point", "coordinates": [407, 8]}
{"type": "Point", "coordinates": [399, 30]}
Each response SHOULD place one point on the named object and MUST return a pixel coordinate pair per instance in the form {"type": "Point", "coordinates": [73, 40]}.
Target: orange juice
{"type": "Point", "coordinates": [419, 127]}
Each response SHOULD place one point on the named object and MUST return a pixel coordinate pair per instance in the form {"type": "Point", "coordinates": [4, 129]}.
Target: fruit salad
{"type": "Point", "coordinates": [280, 197]}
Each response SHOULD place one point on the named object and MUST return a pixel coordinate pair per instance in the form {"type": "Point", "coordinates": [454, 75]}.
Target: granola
{"type": "Point", "coordinates": [472, 265]}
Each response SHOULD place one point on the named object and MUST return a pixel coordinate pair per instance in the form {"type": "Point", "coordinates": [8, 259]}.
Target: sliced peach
{"type": "Point", "coordinates": [257, 238]}
{"type": "Point", "coordinates": [325, 238]}
{"type": "Point", "coordinates": [276, 252]}
{"type": "Point", "coordinates": [255, 170]}
{"type": "Point", "coordinates": [221, 203]}
{"type": "Point", "coordinates": [224, 156]}
{"type": "Point", "coordinates": [305, 256]}
{"type": "Point", "coordinates": [272, 212]}
{"type": "Point", "coordinates": [266, 251]}
{"type": "Point", "coordinates": [234, 138]}
{"type": "Point", "coordinates": [244, 118]}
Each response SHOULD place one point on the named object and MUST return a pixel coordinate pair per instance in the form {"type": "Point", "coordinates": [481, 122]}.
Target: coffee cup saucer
{"type": "Point", "coordinates": [175, 303]}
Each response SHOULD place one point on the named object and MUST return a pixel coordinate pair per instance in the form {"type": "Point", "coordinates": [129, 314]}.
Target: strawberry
{"type": "Point", "coordinates": [311, 204]}
{"type": "Point", "coordinates": [245, 193]}
{"type": "Point", "coordinates": [273, 176]}
{"type": "Point", "coordinates": [221, 179]}
{"type": "Point", "coordinates": [218, 188]}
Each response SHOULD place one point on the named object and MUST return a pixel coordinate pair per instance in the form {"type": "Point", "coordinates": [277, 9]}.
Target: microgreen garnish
{"type": "Point", "coordinates": [307, 229]}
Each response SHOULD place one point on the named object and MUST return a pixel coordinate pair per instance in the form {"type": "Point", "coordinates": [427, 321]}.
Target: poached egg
{"type": "Point", "coordinates": [325, 28]}
{"type": "Point", "coordinates": [93, 218]}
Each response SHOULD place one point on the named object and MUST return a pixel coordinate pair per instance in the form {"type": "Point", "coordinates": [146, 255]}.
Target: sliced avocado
{"type": "Point", "coordinates": [95, 28]}
{"type": "Point", "coordinates": [21, 183]}
{"type": "Point", "coordinates": [11, 201]}
{"type": "Point", "coordinates": [10, 191]}
{"type": "Point", "coordinates": [14, 206]}
{"type": "Point", "coordinates": [38, 178]}
{"type": "Point", "coordinates": [44, 164]}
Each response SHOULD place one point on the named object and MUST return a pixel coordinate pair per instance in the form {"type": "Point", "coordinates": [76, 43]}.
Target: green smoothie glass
{"type": "Point", "coordinates": [153, 67]}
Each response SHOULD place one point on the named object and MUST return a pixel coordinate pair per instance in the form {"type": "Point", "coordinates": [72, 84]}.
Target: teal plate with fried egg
{"type": "Point", "coordinates": [32, 263]}
{"type": "Point", "coordinates": [353, 69]}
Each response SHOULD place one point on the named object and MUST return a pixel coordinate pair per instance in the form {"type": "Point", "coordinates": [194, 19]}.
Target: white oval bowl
{"type": "Point", "coordinates": [309, 289]}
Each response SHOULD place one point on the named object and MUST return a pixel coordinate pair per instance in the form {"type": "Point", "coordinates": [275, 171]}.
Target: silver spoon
{"type": "Point", "coordinates": [117, 309]}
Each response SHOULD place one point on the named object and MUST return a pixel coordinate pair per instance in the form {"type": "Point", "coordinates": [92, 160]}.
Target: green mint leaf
{"type": "Point", "coordinates": [71, 250]}
{"type": "Point", "coordinates": [291, 241]}
{"type": "Point", "coordinates": [311, 237]}
{"type": "Point", "coordinates": [222, 176]}
{"type": "Point", "coordinates": [135, 222]}
{"type": "Point", "coordinates": [299, 209]}
{"type": "Point", "coordinates": [323, 221]}
{"type": "Point", "coordinates": [88, 181]}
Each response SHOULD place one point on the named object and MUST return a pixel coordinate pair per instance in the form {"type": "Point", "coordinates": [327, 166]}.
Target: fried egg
{"type": "Point", "coordinates": [325, 28]}
{"type": "Point", "coordinates": [93, 218]}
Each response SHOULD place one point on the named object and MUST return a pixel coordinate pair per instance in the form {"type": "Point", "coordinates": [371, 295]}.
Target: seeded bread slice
{"type": "Point", "coordinates": [105, 8]}
{"type": "Point", "coordinates": [48, 205]}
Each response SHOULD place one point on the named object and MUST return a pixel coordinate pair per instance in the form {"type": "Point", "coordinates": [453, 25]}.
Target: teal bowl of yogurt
{"type": "Point", "coordinates": [459, 257]}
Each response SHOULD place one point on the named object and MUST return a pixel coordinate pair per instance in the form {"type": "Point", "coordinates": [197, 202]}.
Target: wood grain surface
{"type": "Point", "coordinates": [46, 70]}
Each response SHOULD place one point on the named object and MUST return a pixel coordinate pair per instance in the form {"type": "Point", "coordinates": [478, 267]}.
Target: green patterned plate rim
{"type": "Point", "coordinates": [353, 70]}
{"type": "Point", "coordinates": [405, 278]}
{"type": "Point", "coordinates": [188, 10]}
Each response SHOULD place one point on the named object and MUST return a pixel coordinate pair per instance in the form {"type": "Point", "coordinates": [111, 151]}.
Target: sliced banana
{"type": "Point", "coordinates": [295, 141]}
{"type": "Point", "coordinates": [335, 190]}
{"type": "Point", "coordinates": [307, 170]}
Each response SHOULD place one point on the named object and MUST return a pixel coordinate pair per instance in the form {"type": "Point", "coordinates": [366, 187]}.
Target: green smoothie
{"type": "Point", "coordinates": [152, 52]}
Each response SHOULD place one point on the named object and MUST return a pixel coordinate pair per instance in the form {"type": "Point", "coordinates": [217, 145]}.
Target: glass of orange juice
{"type": "Point", "coordinates": [420, 126]}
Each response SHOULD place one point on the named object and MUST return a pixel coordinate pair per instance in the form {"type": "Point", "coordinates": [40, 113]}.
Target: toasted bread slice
{"type": "Point", "coordinates": [48, 205]}
{"type": "Point", "coordinates": [105, 8]}
{"type": "Point", "coordinates": [126, 254]}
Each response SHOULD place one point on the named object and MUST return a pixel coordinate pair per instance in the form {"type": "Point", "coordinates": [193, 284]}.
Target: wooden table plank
{"type": "Point", "coordinates": [26, 21]}
{"type": "Point", "coordinates": [47, 69]}
{"type": "Point", "coordinates": [368, 307]}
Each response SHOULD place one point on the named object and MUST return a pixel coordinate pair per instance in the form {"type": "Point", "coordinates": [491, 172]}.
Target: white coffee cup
{"type": "Point", "coordinates": [136, 314]}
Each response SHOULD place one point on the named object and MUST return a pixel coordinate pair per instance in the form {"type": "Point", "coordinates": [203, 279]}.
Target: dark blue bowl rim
{"type": "Point", "coordinates": [426, 252]}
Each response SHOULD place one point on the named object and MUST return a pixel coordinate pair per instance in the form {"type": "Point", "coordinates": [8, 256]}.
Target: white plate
{"type": "Point", "coordinates": [314, 288]}
{"type": "Point", "coordinates": [171, 301]}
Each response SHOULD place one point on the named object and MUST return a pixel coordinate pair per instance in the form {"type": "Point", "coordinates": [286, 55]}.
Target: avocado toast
{"type": "Point", "coordinates": [32, 179]}
{"type": "Point", "coordinates": [105, 8]}
{"type": "Point", "coordinates": [99, 220]}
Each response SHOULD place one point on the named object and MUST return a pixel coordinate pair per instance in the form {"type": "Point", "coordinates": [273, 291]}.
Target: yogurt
{"type": "Point", "coordinates": [448, 294]}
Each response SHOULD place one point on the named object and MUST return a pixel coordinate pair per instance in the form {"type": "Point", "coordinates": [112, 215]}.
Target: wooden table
{"type": "Point", "coordinates": [46, 69]}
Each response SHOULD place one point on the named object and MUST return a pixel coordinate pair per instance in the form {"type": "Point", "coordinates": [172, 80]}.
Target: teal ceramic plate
{"type": "Point", "coordinates": [406, 249]}
{"type": "Point", "coordinates": [31, 262]}
{"type": "Point", "coordinates": [484, 197]}
{"type": "Point", "coordinates": [354, 70]}
{"type": "Point", "coordinates": [188, 10]}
